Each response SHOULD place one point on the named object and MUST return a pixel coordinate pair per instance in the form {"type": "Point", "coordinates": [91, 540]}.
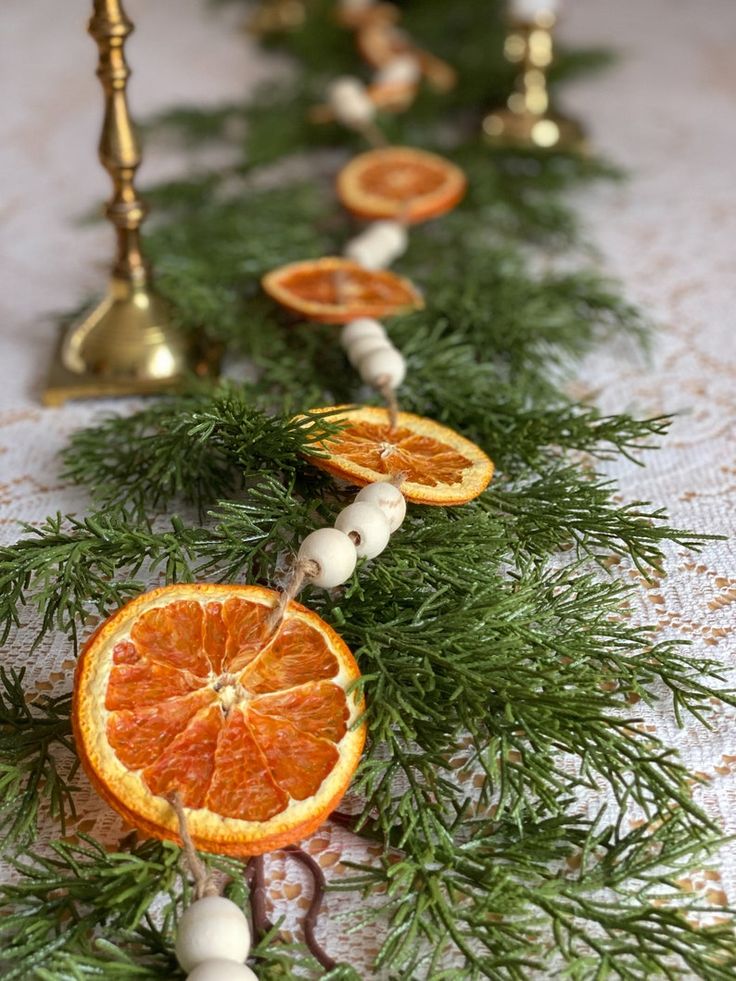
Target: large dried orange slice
{"type": "Point", "coordinates": [187, 689]}
{"type": "Point", "coordinates": [439, 466]}
{"type": "Point", "coordinates": [400, 182]}
{"type": "Point", "coordinates": [335, 290]}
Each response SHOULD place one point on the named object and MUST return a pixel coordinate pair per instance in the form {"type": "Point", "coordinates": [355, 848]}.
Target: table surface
{"type": "Point", "coordinates": [665, 112]}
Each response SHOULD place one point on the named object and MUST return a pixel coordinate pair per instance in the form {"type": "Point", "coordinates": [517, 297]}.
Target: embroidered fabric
{"type": "Point", "coordinates": [668, 233]}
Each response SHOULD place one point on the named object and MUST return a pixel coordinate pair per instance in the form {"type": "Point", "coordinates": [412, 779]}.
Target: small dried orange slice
{"type": "Point", "coordinates": [400, 182]}
{"type": "Point", "coordinates": [187, 689]}
{"type": "Point", "coordinates": [439, 466]}
{"type": "Point", "coordinates": [393, 96]}
{"type": "Point", "coordinates": [379, 41]}
{"type": "Point", "coordinates": [335, 290]}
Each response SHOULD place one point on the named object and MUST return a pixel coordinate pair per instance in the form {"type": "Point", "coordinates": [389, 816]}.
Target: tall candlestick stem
{"type": "Point", "coordinates": [527, 120]}
{"type": "Point", "coordinates": [128, 344]}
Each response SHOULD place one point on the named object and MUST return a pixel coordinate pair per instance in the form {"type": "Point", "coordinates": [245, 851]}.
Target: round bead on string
{"type": "Point", "coordinates": [213, 934]}
{"type": "Point", "coordinates": [364, 345]}
{"type": "Point", "coordinates": [367, 526]}
{"type": "Point", "coordinates": [378, 245]}
{"type": "Point", "coordinates": [383, 367]}
{"type": "Point", "coordinates": [212, 928]}
{"type": "Point", "coordinates": [386, 496]}
{"type": "Point", "coordinates": [221, 970]}
{"type": "Point", "coordinates": [403, 69]}
{"type": "Point", "coordinates": [333, 554]}
{"type": "Point", "coordinates": [349, 100]}
{"type": "Point", "coordinates": [359, 328]}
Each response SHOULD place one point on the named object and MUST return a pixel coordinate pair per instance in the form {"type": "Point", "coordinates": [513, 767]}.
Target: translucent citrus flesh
{"type": "Point", "coordinates": [438, 466]}
{"type": "Point", "coordinates": [194, 707]}
{"type": "Point", "coordinates": [400, 182]}
{"type": "Point", "coordinates": [423, 459]}
{"type": "Point", "coordinates": [403, 181]}
{"type": "Point", "coordinates": [343, 287]}
{"type": "Point", "coordinates": [337, 290]}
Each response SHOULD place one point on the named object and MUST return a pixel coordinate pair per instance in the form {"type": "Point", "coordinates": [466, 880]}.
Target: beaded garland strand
{"type": "Point", "coordinates": [213, 937]}
{"type": "Point", "coordinates": [327, 557]}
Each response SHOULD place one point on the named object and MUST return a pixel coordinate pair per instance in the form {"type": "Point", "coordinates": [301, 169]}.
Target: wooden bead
{"type": "Point", "coordinates": [349, 100]}
{"type": "Point", "coordinates": [394, 234]}
{"type": "Point", "coordinates": [334, 554]}
{"type": "Point", "coordinates": [212, 927]}
{"type": "Point", "coordinates": [383, 366]}
{"type": "Point", "coordinates": [378, 245]}
{"type": "Point", "coordinates": [401, 70]}
{"type": "Point", "coordinates": [388, 498]}
{"type": "Point", "coordinates": [219, 970]}
{"type": "Point", "coordinates": [361, 327]}
{"type": "Point", "coordinates": [367, 526]}
{"type": "Point", "coordinates": [364, 346]}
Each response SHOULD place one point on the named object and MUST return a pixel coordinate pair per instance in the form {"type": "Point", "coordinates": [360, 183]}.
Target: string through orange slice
{"type": "Point", "coordinates": [438, 465]}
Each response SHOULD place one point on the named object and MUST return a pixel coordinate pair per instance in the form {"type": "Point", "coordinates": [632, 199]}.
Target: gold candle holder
{"type": "Point", "coordinates": [127, 345]}
{"type": "Point", "coordinates": [527, 120]}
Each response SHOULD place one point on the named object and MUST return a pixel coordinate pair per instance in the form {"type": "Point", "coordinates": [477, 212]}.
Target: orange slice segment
{"type": "Point", "coordinates": [440, 466]}
{"type": "Point", "coordinates": [335, 290]}
{"type": "Point", "coordinates": [185, 689]}
{"type": "Point", "coordinates": [400, 182]}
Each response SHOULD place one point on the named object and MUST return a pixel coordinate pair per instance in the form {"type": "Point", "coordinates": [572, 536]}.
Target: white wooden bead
{"type": "Point", "coordinates": [370, 526]}
{"type": "Point", "coordinates": [333, 552]}
{"type": "Point", "coordinates": [365, 345]}
{"type": "Point", "coordinates": [384, 366]}
{"type": "Point", "coordinates": [361, 327]}
{"type": "Point", "coordinates": [212, 927]}
{"type": "Point", "coordinates": [400, 70]}
{"type": "Point", "coordinates": [219, 970]}
{"type": "Point", "coordinates": [349, 100]}
{"type": "Point", "coordinates": [378, 245]}
{"type": "Point", "coordinates": [388, 498]}
{"type": "Point", "coordinates": [367, 253]}
{"type": "Point", "coordinates": [393, 233]}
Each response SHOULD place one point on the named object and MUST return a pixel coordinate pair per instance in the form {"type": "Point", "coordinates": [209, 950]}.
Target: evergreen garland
{"type": "Point", "coordinates": [470, 630]}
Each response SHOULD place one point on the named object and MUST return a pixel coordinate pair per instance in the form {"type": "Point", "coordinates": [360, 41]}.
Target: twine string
{"type": "Point", "coordinates": [373, 135]}
{"type": "Point", "coordinates": [388, 392]}
{"type": "Point", "coordinates": [204, 883]}
{"type": "Point", "coordinates": [302, 570]}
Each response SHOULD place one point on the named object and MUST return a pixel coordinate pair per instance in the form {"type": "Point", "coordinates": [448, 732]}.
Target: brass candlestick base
{"type": "Point", "coordinates": [127, 345]}
{"type": "Point", "coordinates": [552, 131]}
{"type": "Point", "coordinates": [528, 121]}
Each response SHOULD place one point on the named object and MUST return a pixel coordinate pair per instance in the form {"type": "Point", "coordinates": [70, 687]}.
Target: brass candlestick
{"type": "Point", "coordinates": [528, 121]}
{"type": "Point", "coordinates": [127, 345]}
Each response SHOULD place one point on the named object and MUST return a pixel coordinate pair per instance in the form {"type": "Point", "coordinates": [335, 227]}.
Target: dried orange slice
{"type": "Point", "coordinates": [335, 290]}
{"type": "Point", "coordinates": [400, 182]}
{"type": "Point", "coordinates": [440, 466]}
{"type": "Point", "coordinates": [184, 690]}
{"type": "Point", "coordinates": [393, 96]}
{"type": "Point", "coordinates": [379, 41]}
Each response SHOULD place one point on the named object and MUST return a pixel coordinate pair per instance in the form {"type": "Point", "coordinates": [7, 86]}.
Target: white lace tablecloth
{"type": "Point", "coordinates": [667, 112]}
